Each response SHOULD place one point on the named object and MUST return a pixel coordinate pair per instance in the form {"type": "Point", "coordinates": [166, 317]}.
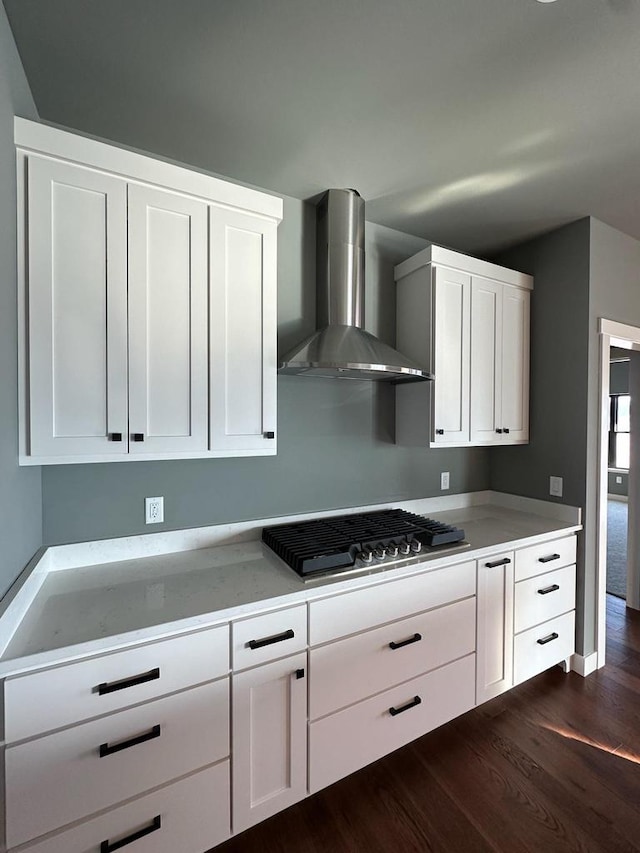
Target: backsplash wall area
{"type": "Point", "coordinates": [335, 437]}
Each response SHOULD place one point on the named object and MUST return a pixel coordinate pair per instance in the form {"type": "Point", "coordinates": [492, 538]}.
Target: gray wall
{"type": "Point", "coordinates": [20, 497]}
{"type": "Point", "coordinates": [559, 261]}
{"type": "Point", "coordinates": [618, 384]}
{"type": "Point", "coordinates": [621, 488]}
{"type": "Point", "coordinates": [335, 438]}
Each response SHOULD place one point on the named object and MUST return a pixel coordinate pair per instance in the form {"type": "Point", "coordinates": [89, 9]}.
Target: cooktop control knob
{"type": "Point", "coordinates": [392, 549]}
{"type": "Point", "coordinates": [366, 556]}
{"type": "Point", "coordinates": [380, 553]}
{"type": "Point", "coordinates": [405, 548]}
{"type": "Point", "coordinates": [416, 546]}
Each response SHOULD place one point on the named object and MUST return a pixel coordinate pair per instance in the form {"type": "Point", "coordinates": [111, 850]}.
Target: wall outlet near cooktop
{"type": "Point", "coordinates": [444, 480]}
{"type": "Point", "coordinates": [153, 510]}
{"type": "Point", "coordinates": [555, 486]}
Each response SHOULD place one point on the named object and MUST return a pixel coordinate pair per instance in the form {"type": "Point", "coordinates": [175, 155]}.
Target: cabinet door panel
{"type": "Point", "coordinates": [495, 626]}
{"type": "Point", "coordinates": [243, 331]}
{"type": "Point", "coordinates": [486, 332]}
{"type": "Point", "coordinates": [77, 310]}
{"type": "Point", "coordinates": [167, 321]}
{"type": "Point", "coordinates": [451, 357]}
{"type": "Point", "coordinates": [269, 751]}
{"type": "Point", "coordinates": [515, 363]}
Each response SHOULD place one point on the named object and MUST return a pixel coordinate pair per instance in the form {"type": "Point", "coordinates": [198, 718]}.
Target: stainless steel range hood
{"type": "Point", "coordinates": [341, 349]}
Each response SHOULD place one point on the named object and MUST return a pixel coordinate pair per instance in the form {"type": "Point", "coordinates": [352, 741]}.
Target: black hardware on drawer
{"type": "Point", "coordinates": [112, 686]}
{"type": "Point", "coordinates": [415, 639]}
{"type": "Point", "coordinates": [439, 432]}
{"type": "Point", "coordinates": [549, 558]}
{"type": "Point", "coordinates": [499, 431]}
{"type": "Point", "coordinates": [548, 639]}
{"type": "Point", "coordinates": [548, 589]}
{"type": "Point", "coordinates": [137, 436]}
{"type": "Point", "coordinates": [268, 641]}
{"type": "Point", "coordinates": [105, 749]}
{"type": "Point", "coordinates": [506, 429]}
{"type": "Point", "coordinates": [502, 562]}
{"type": "Point", "coordinates": [269, 434]}
{"type": "Point", "coordinates": [115, 436]}
{"type": "Point", "coordinates": [110, 846]}
{"type": "Point", "coordinates": [415, 701]}
{"type": "Point", "coordinates": [299, 673]}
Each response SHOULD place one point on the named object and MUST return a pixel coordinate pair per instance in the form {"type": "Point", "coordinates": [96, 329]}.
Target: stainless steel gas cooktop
{"type": "Point", "coordinates": [360, 541]}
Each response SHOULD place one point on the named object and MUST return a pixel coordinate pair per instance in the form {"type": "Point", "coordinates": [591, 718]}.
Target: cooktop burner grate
{"type": "Point", "coordinates": [332, 544]}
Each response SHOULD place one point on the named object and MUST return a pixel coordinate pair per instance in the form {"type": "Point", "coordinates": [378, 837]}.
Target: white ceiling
{"type": "Point", "coordinates": [475, 123]}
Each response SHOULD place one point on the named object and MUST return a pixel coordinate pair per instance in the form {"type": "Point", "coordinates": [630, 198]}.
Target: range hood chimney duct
{"type": "Point", "coordinates": [341, 349]}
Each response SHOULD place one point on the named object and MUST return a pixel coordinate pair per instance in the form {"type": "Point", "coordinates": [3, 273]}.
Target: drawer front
{"type": "Point", "coordinates": [544, 597]}
{"type": "Point", "coordinates": [349, 739]}
{"type": "Point", "coordinates": [367, 608]}
{"type": "Point", "coordinates": [59, 778]}
{"type": "Point", "coordinates": [539, 559]}
{"type": "Point", "coordinates": [532, 657]}
{"type": "Point", "coordinates": [190, 816]}
{"type": "Point", "coordinates": [265, 638]}
{"type": "Point", "coordinates": [54, 698]}
{"type": "Point", "coordinates": [350, 670]}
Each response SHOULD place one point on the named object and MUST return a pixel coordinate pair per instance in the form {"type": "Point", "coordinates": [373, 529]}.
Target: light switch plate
{"type": "Point", "coordinates": [153, 510]}
{"type": "Point", "coordinates": [555, 486]}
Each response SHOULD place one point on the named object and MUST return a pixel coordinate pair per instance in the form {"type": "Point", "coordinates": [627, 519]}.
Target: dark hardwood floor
{"type": "Point", "coordinates": [554, 765]}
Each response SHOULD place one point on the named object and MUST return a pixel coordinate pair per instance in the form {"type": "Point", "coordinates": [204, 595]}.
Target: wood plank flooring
{"type": "Point", "coordinates": [554, 765]}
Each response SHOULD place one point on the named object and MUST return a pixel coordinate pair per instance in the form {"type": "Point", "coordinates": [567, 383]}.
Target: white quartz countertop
{"type": "Point", "coordinates": [95, 608]}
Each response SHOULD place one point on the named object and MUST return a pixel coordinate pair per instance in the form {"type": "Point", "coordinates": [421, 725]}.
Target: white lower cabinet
{"type": "Point", "coordinates": [269, 747]}
{"type": "Point", "coordinates": [190, 816]}
{"type": "Point", "coordinates": [495, 626]}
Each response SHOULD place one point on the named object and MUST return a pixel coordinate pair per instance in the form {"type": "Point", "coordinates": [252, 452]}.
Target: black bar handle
{"type": "Point", "coordinates": [110, 846]}
{"type": "Point", "coordinates": [299, 673]}
{"type": "Point", "coordinates": [137, 436]}
{"type": "Point", "coordinates": [496, 563]}
{"type": "Point", "coordinates": [112, 686]}
{"type": "Point", "coordinates": [548, 589]}
{"type": "Point", "coordinates": [506, 429]}
{"type": "Point", "coordinates": [415, 701]}
{"type": "Point", "coordinates": [269, 434]}
{"type": "Point", "coordinates": [439, 432]}
{"type": "Point", "coordinates": [105, 749]}
{"type": "Point", "coordinates": [548, 639]}
{"type": "Point", "coordinates": [268, 641]}
{"type": "Point", "coordinates": [115, 436]}
{"type": "Point", "coordinates": [415, 639]}
{"type": "Point", "coordinates": [549, 558]}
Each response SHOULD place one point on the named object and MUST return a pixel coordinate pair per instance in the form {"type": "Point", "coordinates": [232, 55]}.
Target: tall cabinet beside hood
{"type": "Point", "coordinates": [467, 320]}
{"type": "Point", "coordinates": [147, 307]}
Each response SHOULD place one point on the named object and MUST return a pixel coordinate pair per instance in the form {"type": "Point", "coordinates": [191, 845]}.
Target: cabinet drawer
{"type": "Point", "coordinates": [62, 777]}
{"type": "Point", "coordinates": [352, 669]}
{"type": "Point", "coordinates": [349, 739]}
{"type": "Point", "coordinates": [264, 638]}
{"type": "Point", "coordinates": [531, 656]}
{"type": "Point", "coordinates": [538, 559]}
{"type": "Point", "coordinates": [358, 611]}
{"type": "Point", "coordinates": [543, 597]}
{"type": "Point", "coordinates": [43, 701]}
{"type": "Point", "coordinates": [191, 816]}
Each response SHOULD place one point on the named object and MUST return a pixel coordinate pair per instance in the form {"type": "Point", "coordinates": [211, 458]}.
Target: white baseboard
{"type": "Point", "coordinates": [584, 664]}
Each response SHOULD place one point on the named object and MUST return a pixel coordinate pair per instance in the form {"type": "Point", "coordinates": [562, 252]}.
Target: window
{"type": "Point", "coordinates": [619, 425]}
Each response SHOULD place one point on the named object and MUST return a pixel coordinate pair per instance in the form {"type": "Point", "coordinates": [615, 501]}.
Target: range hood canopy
{"type": "Point", "coordinates": [341, 349]}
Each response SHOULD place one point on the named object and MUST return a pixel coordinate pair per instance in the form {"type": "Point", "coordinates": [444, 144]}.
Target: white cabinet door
{"type": "Point", "coordinates": [486, 362]}
{"type": "Point", "coordinates": [451, 310]}
{"type": "Point", "coordinates": [77, 297]}
{"type": "Point", "coordinates": [495, 626]}
{"type": "Point", "coordinates": [242, 332]}
{"type": "Point", "coordinates": [515, 364]}
{"type": "Point", "coordinates": [269, 745]}
{"type": "Point", "coordinates": [168, 359]}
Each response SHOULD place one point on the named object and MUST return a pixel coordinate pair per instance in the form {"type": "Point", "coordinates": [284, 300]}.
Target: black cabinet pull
{"type": "Point", "coordinates": [299, 673]}
{"type": "Point", "coordinates": [506, 429]}
{"type": "Point", "coordinates": [115, 436]}
{"type": "Point", "coordinates": [439, 432]}
{"type": "Point", "coordinates": [269, 434]}
{"type": "Point", "coordinates": [110, 846]}
{"type": "Point", "coordinates": [112, 686]}
{"type": "Point", "coordinates": [548, 589]}
{"type": "Point", "coordinates": [105, 749]}
{"type": "Point", "coordinates": [415, 701]}
{"type": "Point", "coordinates": [548, 639]}
{"type": "Point", "coordinates": [415, 639]}
{"type": "Point", "coordinates": [268, 641]}
{"type": "Point", "coordinates": [137, 436]}
{"type": "Point", "coordinates": [499, 431]}
{"type": "Point", "coordinates": [549, 558]}
{"type": "Point", "coordinates": [496, 563]}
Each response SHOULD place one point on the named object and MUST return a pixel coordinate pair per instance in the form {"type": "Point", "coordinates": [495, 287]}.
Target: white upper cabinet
{"type": "Point", "coordinates": [147, 306]}
{"type": "Point", "coordinates": [467, 321]}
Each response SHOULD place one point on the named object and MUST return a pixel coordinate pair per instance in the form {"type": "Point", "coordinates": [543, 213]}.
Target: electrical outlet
{"type": "Point", "coordinates": [444, 480]}
{"type": "Point", "coordinates": [619, 480]}
{"type": "Point", "coordinates": [555, 486]}
{"type": "Point", "coordinates": [153, 510]}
